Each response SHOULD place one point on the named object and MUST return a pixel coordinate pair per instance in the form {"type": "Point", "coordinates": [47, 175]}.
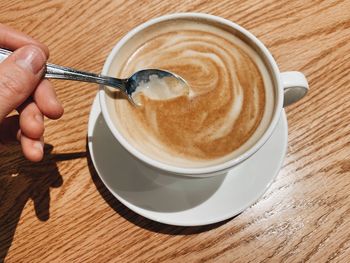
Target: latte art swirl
{"type": "Point", "coordinates": [225, 105]}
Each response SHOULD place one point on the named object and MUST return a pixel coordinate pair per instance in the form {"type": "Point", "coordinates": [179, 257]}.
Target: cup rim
{"type": "Point", "coordinates": [193, 171]}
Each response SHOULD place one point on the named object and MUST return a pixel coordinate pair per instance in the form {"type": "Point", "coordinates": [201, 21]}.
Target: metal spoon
{"type": "Point", "coordinates": [127, 86]}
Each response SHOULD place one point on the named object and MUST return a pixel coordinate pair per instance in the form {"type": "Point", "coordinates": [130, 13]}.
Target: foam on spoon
{"type": "Point", "coordinates": [160, 89]}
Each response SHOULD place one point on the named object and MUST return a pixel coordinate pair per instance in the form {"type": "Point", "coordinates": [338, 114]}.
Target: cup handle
{"type": "Point", "coordinates": [295, 86]}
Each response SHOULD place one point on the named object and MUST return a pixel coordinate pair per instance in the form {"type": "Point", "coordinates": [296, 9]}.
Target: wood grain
{"type": "Point", "coordinates": [59, 211]}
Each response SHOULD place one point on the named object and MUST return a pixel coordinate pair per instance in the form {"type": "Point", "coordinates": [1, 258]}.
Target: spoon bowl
{"type": "Point", "coordinates": [155, 84]}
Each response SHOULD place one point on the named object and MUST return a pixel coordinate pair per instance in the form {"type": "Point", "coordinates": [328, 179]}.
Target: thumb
{"type": "Point", "coordinates": [20, 73]}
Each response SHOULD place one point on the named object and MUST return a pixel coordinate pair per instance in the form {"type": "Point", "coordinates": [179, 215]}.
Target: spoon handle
{"type": "Point", "coordinates": [59, 72]}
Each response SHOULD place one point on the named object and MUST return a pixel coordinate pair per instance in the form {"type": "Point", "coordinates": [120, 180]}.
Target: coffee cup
{"type": "Point", "coordinates": [287, 88]}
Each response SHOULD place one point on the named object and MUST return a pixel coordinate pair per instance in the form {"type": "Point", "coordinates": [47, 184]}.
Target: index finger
{"type": "Point", "coordinates": [13, 39]}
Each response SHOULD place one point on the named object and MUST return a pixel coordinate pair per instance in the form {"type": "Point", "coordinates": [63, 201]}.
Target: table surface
{"type": "Point", "coordinates": [59, 210]}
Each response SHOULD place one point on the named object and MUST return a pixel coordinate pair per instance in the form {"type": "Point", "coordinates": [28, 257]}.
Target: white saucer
{"type": "Point", "coordinates": [178, 200]}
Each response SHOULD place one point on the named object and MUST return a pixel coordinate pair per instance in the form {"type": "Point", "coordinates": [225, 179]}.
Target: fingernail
{"type": "Point", "coordinates": [39, 118]}
{"type": "Point", "coordinates": [39, 145]}
{"type": "Point", "coordinates": [30, 58]}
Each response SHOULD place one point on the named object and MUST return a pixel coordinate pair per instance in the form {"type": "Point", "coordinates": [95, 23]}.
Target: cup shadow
{"type": "Point", "coordinates": [139, 220]}
{"type": "Point", "coordinates": [21, 180]}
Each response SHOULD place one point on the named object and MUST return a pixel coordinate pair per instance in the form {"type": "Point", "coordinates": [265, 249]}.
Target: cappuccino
{"type": "Point", "coordinates": [228, 106]}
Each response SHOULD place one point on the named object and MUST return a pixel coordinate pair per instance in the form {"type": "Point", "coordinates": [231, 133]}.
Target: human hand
{"type": "Point", "coordinates": [22, 88]}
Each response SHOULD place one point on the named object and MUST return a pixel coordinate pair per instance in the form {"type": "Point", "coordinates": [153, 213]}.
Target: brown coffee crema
{"type": "Point", "coordinates": [226, 103]}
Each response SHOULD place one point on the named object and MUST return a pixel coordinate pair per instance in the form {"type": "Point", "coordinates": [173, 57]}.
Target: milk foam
{"type": "Point", "coordinates": [160, 89]}
{"type": "Point", "coordinates": [230, 102]}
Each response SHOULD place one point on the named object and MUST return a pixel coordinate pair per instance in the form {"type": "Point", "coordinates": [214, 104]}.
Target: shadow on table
{"type": "Point", "coordinates": [21, 180]}
{"type": "Point", "coordinates": [141, 221]}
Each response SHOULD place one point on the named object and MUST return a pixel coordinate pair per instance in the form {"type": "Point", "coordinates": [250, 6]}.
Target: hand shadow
{"type": "Point", "coordinates": [21, 180]}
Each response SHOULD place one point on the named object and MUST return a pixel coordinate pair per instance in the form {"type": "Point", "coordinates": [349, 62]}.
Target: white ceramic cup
{"type": "Point", "coordinates": [289, 88]}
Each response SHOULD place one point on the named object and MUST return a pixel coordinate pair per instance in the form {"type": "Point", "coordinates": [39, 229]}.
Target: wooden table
{"type": "Point", "coordinates": [59, 211]}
